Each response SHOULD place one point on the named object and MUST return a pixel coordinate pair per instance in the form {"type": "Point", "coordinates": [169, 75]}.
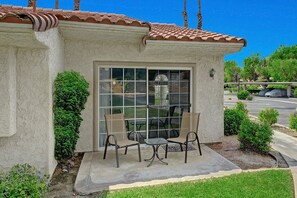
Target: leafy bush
{"type": "Point", "coordinates": [269, 115]}
{"type": "Point", "coordinates": [23, 181]}
{"type": "Point", "coordinates": [241, 106]}
{"type": "Point", "coordinates": [71, 93]}
{"type": "Point", "coordinates": [67, 119]}
{"type": "Point", "coordinates": [242, 95]}
{"type": "Point", "coordinates": [255, 136]}
{"type": "Point", "coordinates": [293, 121]}
{"type": "Point", "coordinates": [295, 93]}
{"type": "Point", "coordinates": [250, 97]}
{"type": "Point", "coordinates": [232, 121]}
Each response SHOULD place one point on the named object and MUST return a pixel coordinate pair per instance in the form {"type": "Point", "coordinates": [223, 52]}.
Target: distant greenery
{"type": "Point", "coordinates": [232, 71]}
{"type": "Point", "coordinates": [281, 66]}
{"type": "Point", "coordinates": [295, 93]}
{"type": "Point", "coordinates": [269, 183]}
{"type": "Point", "coordinates": [277, 86]}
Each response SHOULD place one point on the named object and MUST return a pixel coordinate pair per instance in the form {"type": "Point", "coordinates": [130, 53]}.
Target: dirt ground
{"type": "Point", "coordinates": [230, 149]}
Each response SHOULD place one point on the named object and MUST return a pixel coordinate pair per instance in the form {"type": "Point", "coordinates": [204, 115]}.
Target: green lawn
{"type": "Point", "coordinates": [270, 183]}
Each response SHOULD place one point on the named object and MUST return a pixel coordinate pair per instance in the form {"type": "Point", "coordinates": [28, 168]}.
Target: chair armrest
{"type": "Point", "coordinates": [114, 137]}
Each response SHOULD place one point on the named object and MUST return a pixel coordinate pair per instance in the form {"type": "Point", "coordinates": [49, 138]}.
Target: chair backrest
{"type": "Point", "coordinates": [115, 125]}
{"type": "Point", "coordinates": [190, 122]}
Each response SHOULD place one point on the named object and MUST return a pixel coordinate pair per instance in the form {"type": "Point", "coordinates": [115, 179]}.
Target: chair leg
{"type": "Point", "coordinates": [117, 156]}
{"type": "Point", "coordinates": [181, 147]}
{"type": "Point", "coordinates": [166, 150]}
{"type": "Point", "coordinates": [186, 154]}
{"type": "Point", "coordinates": [106, 143]}
{"type": "Point", "coordinates": [198, 144]}
{"type": "Point", "coordinates": [126, 149]}
{"type": "Point", "coordinates": [139, 154]}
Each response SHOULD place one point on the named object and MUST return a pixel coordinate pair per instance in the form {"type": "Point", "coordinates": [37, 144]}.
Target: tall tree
{"type": "Point", "coordinates": [251, 67]}
{"type": "Point", "coordinates": [231, 71]}
{"type": "Point", "coordinates": [282, 64]}
{"type": "Point", "coordinates": [199, 16]}
{"type": "Point", "coordinates": [76, 4]}
{"type": "Point", "coordinates": [30, 3]}
{"type": "Point", "coordinates": [57, 4]}
{"type": "Point", "coordinates": [185, 14]}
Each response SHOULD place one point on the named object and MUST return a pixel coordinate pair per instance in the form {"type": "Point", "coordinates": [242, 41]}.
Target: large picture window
{"type": "Point", "coordinates": [151, 100]}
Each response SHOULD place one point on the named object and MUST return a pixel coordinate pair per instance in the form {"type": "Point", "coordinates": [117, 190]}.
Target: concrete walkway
{"type": "Point", "coordinates": [287, 146]}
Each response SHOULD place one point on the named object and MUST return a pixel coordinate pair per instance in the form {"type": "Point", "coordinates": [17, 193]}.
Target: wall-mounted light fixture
{"type": "Point", "coordinates": [212, 73]}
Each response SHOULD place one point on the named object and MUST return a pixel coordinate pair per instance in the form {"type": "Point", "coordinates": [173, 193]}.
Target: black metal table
{"type": "Point", "coordinates": [155, 143]}
{"type": "Point", "coordinates": [138, 123]}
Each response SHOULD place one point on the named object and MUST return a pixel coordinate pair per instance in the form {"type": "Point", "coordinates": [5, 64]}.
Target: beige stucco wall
{"type": "Point", "coordinates": [207, 92]}
{"type": "Point", "coordinates": [8, 91]}
{"type": "Point", "coordinates": [37, 62]}
{"type": "Point", "coordinates": [29, 144]}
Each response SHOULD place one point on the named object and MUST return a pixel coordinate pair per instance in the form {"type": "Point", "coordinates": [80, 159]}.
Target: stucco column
{"type": "Point", "coordinates": [8, 91]}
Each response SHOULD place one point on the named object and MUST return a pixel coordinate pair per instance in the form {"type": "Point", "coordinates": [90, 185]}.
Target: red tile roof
{"type": "Point", "coordinates": [172, 32]}
{"type": "Point", "coordinates": [16, 14]}
{"type": "Point", "coordinates": [78, 16]}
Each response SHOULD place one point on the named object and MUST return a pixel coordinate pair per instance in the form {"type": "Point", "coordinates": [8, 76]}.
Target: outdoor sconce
{"type": "Point", "coordinates": [212, 73]}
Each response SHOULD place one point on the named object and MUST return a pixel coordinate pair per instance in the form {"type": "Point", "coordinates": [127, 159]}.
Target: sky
{"type": "Point", "coordinates": [265, 24]}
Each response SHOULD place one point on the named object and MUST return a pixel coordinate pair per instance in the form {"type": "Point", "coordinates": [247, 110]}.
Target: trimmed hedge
{"type": "Point", "coordinates": [23, 180]}
{"type": "Point", "coordinates": [255, 136]}
{"type": "Point", "coordinates": [71, 93]}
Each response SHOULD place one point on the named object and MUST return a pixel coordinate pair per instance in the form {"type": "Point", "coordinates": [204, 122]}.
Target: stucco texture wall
{"type": "Point", "coordinates": [37, 65]}
{"type": "Point", "coordinates": [207, 92]}
{"type": "Point", "coordinates": [30, 143]}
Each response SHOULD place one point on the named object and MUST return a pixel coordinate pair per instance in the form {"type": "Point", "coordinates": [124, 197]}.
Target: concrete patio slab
{"type": "Point", "coordinates": [96, 174]}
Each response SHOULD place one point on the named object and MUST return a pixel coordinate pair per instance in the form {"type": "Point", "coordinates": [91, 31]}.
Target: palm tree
{"type": "Point", "coordinates": [199, 16]}
{"type": "Point", "coordinates": [57, 4]}
{"type": "Point", "coordinates": [76, 4]}
{"type": "Point", "coordinates": [30, 3]}
{"type": "Point", "coordinates": [185, 14]}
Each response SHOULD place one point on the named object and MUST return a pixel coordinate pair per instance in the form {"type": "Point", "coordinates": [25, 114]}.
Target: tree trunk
{"type": "Point", "coordinates": [199, 16]}
{"type": "Point", "coordinates": [30, 3]}
{"type": "Point", "coordinates": [57, 4]}
{"type": "Point", "coordinates": [76, 4]}
{"type": "Point", "coordinates": [185, 14]}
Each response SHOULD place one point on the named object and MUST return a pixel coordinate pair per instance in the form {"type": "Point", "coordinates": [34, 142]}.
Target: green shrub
{"type": "Point", "coordinates": [295, 93]}
{"type": "Point", "coordinates": [241, 106]}
{"type": "Point", "coordinates": [293, 121]}
{"type": "Point", "coordinates": [232, 121]}
{"type": "Point", "coordinates": [23, 181]}
{"type": "Point", "coordinates": [68, 119]}
{"type": "Point", "coordinates": [269, 115]}
{"type": "Point", "coordinates": [71, 93]}
{"type": "Point", "coordinates": [242, 95]}
{"type": "Point", "coordinates": [250, 97]}
{"type": "Point", "coordinates": [255, 136]}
